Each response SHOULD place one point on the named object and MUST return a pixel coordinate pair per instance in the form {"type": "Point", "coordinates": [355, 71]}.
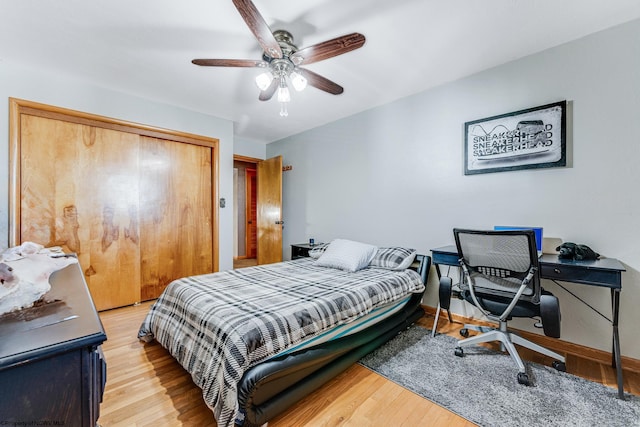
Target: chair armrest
{"type": "Point", "coordinates": [550, 315]}
{"type": "Point", "coordinates": [444, 292]}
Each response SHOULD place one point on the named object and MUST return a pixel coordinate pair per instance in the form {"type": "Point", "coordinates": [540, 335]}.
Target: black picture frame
{"type": "Point", "coordinates": [534, 138]}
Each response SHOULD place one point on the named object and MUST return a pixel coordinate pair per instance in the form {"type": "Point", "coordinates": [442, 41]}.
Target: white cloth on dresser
{"type": "Point", "coordinates": [31, 270]}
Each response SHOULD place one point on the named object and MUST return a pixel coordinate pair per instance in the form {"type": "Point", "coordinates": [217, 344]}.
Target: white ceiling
{"type": "Point", "coordinates": [145, 48]}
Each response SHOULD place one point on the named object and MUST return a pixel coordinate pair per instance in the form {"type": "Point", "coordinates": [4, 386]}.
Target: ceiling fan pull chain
{"type": "Point", "coordinates": [283, 109]}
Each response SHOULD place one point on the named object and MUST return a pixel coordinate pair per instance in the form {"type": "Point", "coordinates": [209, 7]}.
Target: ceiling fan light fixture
{"type": "Point", "coordinates": [263, 81]}
{"type": "Point", "coordinates": [298, 81]}
{"type": "Point", "coordinates": [283, 94]}
{"type": "Point", "coordinates": [281, 58]}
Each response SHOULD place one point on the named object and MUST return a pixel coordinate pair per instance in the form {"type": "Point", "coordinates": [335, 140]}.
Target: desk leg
{"type": "Point", "coordinates": [616, 361]}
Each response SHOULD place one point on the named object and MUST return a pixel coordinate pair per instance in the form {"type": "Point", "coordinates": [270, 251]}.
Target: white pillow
{"type": "Point", "coordinates": [347, 255]}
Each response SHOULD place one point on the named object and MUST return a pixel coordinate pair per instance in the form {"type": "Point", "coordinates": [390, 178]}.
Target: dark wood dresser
{"type": "Point", "coordinates": [52, 371]}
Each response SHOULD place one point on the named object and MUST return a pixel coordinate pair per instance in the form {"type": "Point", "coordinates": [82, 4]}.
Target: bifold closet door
{"type": "Point", "coordinates": [175, 213]}
{"type": "Point", "coordinates": [136, 210]}
{"type": "Point", "coordinates": [79, 186]}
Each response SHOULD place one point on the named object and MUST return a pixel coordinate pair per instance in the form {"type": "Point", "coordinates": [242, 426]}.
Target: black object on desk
{"type": "Point", "coordinates": [605, 272]}
{"type": "Point", "coordinates": [51, 365]}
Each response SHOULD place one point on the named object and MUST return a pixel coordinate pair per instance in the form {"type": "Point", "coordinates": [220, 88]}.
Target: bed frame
{"type": "Point", "coordinates": [271, 387]}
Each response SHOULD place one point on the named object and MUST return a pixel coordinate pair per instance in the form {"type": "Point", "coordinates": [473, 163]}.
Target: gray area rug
{"type": "Point", "coordinates": [482, 386]}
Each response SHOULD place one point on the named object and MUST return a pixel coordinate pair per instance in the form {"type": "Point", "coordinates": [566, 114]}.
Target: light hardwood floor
{"type": "Point", "coordinates": [147, 387]}
{"type": "Point", "coordinates": [244, 262]}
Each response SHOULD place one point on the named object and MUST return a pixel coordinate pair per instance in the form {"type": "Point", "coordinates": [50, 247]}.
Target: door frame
{"type": "Point", "coordinates": [254, 161]}
{"type": "Point", "coordinates": [250, 193]}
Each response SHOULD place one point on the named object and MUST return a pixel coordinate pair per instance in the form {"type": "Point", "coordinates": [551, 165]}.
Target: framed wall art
{"type": "Point", "coordinates": [526, 139]}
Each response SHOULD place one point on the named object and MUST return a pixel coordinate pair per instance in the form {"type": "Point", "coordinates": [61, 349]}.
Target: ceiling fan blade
{"type": "Point", "coordinates": [328, 49]}
{"type": "Point", "coordinates": [267, 94]}
{"type": "Point", "coordinates": [229, 63]}
{"type": "Point", "coordinates": [258, 27]}
{"type": "Point", "coordinates": [321, 83]}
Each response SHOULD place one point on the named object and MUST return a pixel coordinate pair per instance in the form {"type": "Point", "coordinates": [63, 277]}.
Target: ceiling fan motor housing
{"type": "Point", "coordinates": [285, 40]}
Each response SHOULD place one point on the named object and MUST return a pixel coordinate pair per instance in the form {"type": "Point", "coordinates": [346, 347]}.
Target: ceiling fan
{"type": "Point", "coordinates": [281, 59]}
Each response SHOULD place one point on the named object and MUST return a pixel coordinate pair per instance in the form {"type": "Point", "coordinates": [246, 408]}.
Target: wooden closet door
{"type": "Point", "coordinates": [175, 213]}
{"type": "Point", "coordinates": [136, 210]}
{"type": "Point", "coordinates": [80, 191]}
{"type": "Point", "coordinates": [108, 171]}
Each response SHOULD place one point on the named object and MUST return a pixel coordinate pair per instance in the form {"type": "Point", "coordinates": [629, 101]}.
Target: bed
{"type": "Point", "coordinates": [258, 339]}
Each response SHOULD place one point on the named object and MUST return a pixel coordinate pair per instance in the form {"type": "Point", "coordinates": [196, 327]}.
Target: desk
{"type": "Point", "coordinates": [606, 272]}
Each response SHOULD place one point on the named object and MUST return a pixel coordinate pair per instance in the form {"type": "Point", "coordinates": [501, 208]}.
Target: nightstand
{"type": "Point", "coordinates": [301, 250]}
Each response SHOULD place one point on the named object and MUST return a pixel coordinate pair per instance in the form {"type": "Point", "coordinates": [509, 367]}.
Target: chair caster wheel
{"type": "Point", "coordinates": [523, 379]}
{"type": "Point", "coordinates": [559, 366]}
{"type": "Point", "coordinates": [459, 352]}
{"type": "Point", "coordinates": [464, 332]}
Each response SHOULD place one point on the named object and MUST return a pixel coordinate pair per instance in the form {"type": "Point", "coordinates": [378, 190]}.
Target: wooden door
{"type": "Point", "coordinates": [269, 209]}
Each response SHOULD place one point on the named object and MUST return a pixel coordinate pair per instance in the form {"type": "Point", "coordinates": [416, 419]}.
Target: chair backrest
{"type": "Point", "coordinates": [499, 261]}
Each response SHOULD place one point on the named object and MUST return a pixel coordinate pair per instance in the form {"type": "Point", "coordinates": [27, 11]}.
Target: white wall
{"type": "Point", "coordinates": [243, 147]}
{"type": "Point", "coordinates": [48, 88]}
{"type": "Point", "coordinates": [394, 175]}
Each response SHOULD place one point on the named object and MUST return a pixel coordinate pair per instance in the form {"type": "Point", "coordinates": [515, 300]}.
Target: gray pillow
{"type": "Point", "coordinates": [393, 258]}
{"type": "Point", "coordinates": [318, 250]}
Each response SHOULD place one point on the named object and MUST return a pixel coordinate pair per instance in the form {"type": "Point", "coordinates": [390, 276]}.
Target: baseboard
{"type": "Point", "coordinates": [558, 345]}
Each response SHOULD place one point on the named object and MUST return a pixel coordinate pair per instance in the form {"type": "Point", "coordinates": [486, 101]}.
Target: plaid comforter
{"type": "Point", "coordinates": [219, 325]}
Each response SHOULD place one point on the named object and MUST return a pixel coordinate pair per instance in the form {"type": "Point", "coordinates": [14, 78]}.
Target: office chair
{"type": "Point", "coordinates": [500, 277]}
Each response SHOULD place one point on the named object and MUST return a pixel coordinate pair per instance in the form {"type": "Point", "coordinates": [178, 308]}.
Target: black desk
{"type": "Point", "coordinates": [606, 272]}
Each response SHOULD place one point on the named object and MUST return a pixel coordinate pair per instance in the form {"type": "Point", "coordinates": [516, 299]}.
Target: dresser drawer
{"type": "Point", "coordinates": [580, 274]}
{"type": "Point", "coordinates": [446, 255]}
